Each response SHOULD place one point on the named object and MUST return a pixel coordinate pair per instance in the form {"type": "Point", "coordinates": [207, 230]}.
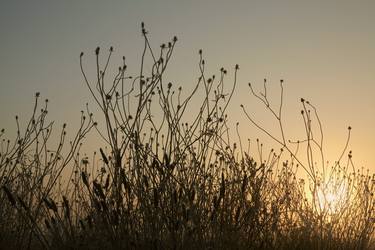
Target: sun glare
{"type": "Point", "coordinates": [331, 197]}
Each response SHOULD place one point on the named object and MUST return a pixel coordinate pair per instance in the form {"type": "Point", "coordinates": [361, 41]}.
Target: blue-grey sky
{"type": "Point", "coordinates": [324, 50]}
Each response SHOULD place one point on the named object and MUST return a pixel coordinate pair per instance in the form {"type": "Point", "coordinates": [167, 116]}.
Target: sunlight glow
{"type": "Point", "coordinates": [330, 197]}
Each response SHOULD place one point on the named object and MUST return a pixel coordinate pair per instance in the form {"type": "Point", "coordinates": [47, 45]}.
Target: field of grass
{"type": "Point", "coordinates": [169, 178]}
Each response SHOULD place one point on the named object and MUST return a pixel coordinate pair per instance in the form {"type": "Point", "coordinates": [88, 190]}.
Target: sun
{"type": "Point", "coordinates": [331, 197]}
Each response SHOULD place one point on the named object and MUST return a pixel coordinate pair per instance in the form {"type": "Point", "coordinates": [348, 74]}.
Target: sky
{"type": "Point", "coordinates": [324, 51]}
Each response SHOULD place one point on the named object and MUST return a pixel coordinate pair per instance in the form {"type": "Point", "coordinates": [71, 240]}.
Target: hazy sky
{"type": "Point", "coordinates": [324, 50]}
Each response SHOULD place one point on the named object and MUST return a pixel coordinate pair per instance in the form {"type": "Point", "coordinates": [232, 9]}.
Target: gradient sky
{"type": "Point", "coordinates": [324, 50]}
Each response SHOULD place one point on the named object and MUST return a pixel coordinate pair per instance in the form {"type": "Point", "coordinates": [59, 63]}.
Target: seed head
{"type": "Point", "coordinates": [97, 50]}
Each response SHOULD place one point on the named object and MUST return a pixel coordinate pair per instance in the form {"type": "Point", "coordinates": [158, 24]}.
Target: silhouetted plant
{"type": "Point", "coordinates": [168, 178]}
{"type": "Point", "coordinates": [30, 168]}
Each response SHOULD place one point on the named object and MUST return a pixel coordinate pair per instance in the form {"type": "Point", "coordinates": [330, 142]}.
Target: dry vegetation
{"type": "Point", "coordinates": [171, 179]}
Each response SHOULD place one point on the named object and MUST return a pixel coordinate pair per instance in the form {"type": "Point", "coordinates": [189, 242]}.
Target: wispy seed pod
{"type": "Point", "coordinates": [50, 204]}
{"type": "Point", "coordinates": [66, 207]}
{"type": "Point", "coordinates": [166, 160]}
{"type": "Point", "coordinates": [107, 182]}
{"type": "Point", "coordinates": [98, 190]}
{"type": "Point", "coordinates": [104, 157]}
{"type": "Point", "coordinates": [145, 181]}
{"type": "Point", "coordinates": [216, 202]}
{"type": "Point", "coordinates": [85, 179]}
{"type": "Point", "coordinates": [124, 180]}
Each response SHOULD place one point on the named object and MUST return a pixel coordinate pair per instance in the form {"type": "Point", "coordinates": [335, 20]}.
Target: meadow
{"type": "Point", "coordinates": [171, 178]}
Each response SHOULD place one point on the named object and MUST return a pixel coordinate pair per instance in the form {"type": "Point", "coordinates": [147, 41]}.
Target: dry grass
{"type": "Point", "coordinates": [168, 179]}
